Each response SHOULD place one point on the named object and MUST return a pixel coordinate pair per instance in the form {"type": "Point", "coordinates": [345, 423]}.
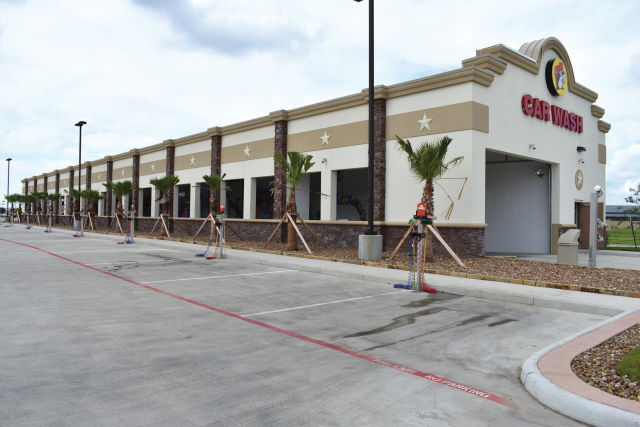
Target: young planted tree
{"type": "Point", "coordinates": [427, 163]}
{"type": "Point", "coordinates": [119, 190]}
{"type": "Point", "coordinates": [74, 203]}
{"type": "Point", "coordinates": [214, 182]}
{"type": "Point", "coordinates": [52, 198]}
{"type": "Point", "coordinates": [90, 197]}
{"type": "Point", "coordinates": [634, 197]}
{"type": "Point", "coordinates": [294, 167]}
{"type": "Point", "coordinates": [163, 186]}
{"type": "Point", "coordinates": [39, 196]}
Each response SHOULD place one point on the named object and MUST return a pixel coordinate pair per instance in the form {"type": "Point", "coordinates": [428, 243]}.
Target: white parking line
{"type": "Point", "coordinates": [217, 277]}
{"type": "Point", "coordinates": [140, 262]}
{"type": "Point", "coordinates": [113, 250]}
{"type": "Point", "coordinates": [321, 303]}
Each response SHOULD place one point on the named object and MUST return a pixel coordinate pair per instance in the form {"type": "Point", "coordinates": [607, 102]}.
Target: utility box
{"type": "Point", "coordinates": [568, 247]}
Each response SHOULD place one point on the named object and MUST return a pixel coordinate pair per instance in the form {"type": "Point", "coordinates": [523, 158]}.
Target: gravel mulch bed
{"type": "Point", "coordinates": [596, 366]}
{"type": "Point", "coordinates": [609, 280]}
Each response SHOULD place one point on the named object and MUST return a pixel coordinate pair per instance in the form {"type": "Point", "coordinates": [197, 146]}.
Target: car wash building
{"type": "Point", "coordinates": [532, 139]}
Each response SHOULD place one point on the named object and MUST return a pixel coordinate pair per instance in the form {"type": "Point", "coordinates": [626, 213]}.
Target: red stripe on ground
{"type": "Point", "coordinates": [471, 390]}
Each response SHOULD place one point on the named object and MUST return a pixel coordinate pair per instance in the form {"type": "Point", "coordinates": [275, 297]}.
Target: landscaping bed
{"type": "Point", "coordinates": [596, 366]}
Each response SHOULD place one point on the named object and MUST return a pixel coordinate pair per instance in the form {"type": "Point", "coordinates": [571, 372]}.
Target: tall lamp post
{"type": "Point", "coordinates": [80, 124]}
{"type": "Point", "coordinates": [370, 244]}
{"type": "Point", "coordinates": [8, 167]}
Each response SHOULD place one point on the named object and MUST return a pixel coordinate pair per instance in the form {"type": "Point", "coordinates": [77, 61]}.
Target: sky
{"type": "Point", "coordinates": [143, 71]}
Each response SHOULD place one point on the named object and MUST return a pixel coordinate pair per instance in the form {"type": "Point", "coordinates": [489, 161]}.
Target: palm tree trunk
{"type": "Point", "coordinates": [292, 238]}
{"type": "Point", "coordinates": [427, 198]}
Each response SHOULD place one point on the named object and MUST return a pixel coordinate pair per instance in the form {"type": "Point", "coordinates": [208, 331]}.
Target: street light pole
{"type": "Point", "coordinates": [80, 124]}
{"type": "Point", "coordinates": [8, 167]}
{"type": "Point", "coordinates": [370, 247]}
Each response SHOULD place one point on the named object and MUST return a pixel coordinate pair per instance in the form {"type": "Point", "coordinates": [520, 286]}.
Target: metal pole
{"type": "Point", "coordinates": [8, 167]}
{"type": "Point", "coordinates": [370, 230]}
{"type": "Point", "coordinates": [593, 229]}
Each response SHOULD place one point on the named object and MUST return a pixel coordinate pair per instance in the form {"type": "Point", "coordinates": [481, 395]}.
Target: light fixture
{"type": "Point", "coordinates": [599, 191]}
{"type": "Point", "coordinates": [324, 161]}
{"type": "Point", "coordinates": [581, 149]}
{"type": "Point", "coordinates": [532, 146]}
{"type": "Point", "coordinates": [541, 172]}
{"type": "Point", "coordinates": [581, 161]}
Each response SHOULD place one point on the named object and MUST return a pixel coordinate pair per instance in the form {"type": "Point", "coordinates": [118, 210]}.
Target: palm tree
{"type": "Point", "coordinates": [120, 189]}
{"type": "Point", "coordinates": [427, 163]}
{"type": "Point", "coordinates": [163, 186]}
{"type": "Point", "coordinates": [90, 197]}
{"type": "Point", "coordinates": [297, 165]}
{"type": "Point", "coordinates": [75, 200]}
{"type": "Point", "coordinates": [213, 181]}
{"type": "Point", "coordinates": [53, 197]}
{"type": "Point", "coordinates": [39, 196]}
{"type": "Point", "coordinates": [12, 198]}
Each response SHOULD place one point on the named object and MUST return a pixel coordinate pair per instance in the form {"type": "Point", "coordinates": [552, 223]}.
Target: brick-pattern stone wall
{"type": "Point", "coordinates": [88, 172]}
{"type": "Point", "coordinates": [109, 199]}
{"type": "Point", "coordinates": [379, 157]}
{"type": "Point", "coordinates": [56, 205]}
{"type": "Point", "coordinates": [170, 162]}
{"type": "Point", "coordinates": [135, 180]}
{"type": "Point", "coordinates": [279, 179]}
{"type": "Point", "coordinates": [216, 165]}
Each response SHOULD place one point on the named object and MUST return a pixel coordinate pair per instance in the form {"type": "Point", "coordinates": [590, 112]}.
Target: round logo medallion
{"type": "Point", "coordinates": [556, 77]}
{"type": "Point", "coordinates": [579, 179]}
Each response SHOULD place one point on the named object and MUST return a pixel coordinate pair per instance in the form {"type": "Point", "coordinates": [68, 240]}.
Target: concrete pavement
{"type": "Point", "coordinates": [123, 335]}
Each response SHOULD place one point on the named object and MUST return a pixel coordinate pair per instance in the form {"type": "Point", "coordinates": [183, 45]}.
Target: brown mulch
{"type": "Point", "coordinates": [596, 366]}
{"type": "Point", "coordinates": [613, 280]}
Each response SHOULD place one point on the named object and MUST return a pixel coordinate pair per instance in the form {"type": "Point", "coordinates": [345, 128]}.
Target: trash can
{"type": "Point", "coordinates": [76, 224]}
{"type": "Point", "coordinates": [568, 247]}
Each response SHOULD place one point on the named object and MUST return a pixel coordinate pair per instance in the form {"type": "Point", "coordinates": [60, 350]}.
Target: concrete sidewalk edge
{"type": "Point", "coordinates": [565, 402]}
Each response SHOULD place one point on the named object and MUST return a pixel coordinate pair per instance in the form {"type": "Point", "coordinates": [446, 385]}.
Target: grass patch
{"type": "Point", "coordinates": [623, 248]}
{"type": "Point", "coordinates": [630, 365]}
{"type": "Point", "coordinates": [622, 236]}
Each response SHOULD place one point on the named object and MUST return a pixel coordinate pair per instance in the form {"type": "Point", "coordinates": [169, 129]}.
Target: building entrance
{"type": "Point", "coordinates": [517, 205]}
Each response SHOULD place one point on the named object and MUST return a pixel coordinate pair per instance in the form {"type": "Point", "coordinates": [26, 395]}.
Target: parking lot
{"type": "Point", "coordinates": [96, 333]}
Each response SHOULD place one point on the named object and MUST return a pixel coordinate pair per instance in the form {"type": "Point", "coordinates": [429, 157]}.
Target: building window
{"type": "Point", "coordinates": [235, 193]}
{"type": "Point", "coordinates": [145, 209]}
{"type": "Point", "coordinates": [352, 195]}
{"type": "Point", "coordinates": [264, 197]}
{"type": "Point", "coordinates": [184, 200]}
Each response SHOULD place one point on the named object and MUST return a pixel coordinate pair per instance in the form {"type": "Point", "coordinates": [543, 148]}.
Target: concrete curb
{"type": "Point", "coordinates": [567, 403]}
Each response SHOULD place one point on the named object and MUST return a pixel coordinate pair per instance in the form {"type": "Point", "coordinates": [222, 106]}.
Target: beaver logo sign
{"type": "Point", "coordinates": [556, 77]}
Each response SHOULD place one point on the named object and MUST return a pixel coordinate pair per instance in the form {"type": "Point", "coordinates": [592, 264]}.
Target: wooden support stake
{"type": "Point", "coordinates": [404, 239]}
{"type": "Point", "coordinates": [295, 227]}
{"type": "Point", "coordinates": [154, 227]}
{"type": "Point", "coordinates": [443, 243]}
{"type": "Point", "coordinates": [226, 224]}
{"type": "Point", "coordinates": [313, 234]}
{"type": "Point", "coordinates": [119, 225]}
{"type": "Point", "coordinates": [202, 226]}
{"type": "Point", "coordinates": [275, 230]}
{"type": "Point", "coordinates": [164, 224]}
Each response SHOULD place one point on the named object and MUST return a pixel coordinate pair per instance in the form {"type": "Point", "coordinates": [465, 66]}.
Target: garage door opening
{"type": "Point", "coordinates": [517, 205]}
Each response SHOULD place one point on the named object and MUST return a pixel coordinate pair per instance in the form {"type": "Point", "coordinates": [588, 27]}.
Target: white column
{"type": "Point", "coordinates": [155, 211]}
{"type": "Point", "coordinates": [223, 197]}
{"type": "Point", "coordinates": [329, 187]}
{"type": "Point", "coordinates": [175, 200]}
{"type": "Point", "coordinates": [194, 201]}
{"type": "Point", "coordinates": [302, 196]}
{"type": "Point", "coordinates": [249, 198]}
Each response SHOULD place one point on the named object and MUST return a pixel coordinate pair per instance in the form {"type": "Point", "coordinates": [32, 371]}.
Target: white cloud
{"type": "Point", "coordinates": [143, 71]}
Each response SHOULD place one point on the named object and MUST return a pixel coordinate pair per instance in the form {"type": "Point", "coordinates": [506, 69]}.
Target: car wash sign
{"type": "Point", "coordinates": [542, 110]}
{"type": "Point", "coordinates": [556, 79]}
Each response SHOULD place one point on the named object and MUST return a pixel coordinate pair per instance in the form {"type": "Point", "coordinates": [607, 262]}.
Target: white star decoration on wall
{"type": "Point", "coordinates": [193, 161]}
{"type": "Point", "coordinates": [153, 167]}
{"type": "Point", "coordinates": [325, 138]}
{"type": "Point", "coordinates": [122, 172]}
{"type": "Point", "coordinates": [99, 176]}
{"type": "Point", "coordinates": [424, 122]}
{"type": "Point", "coordinates": [246, 151]}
